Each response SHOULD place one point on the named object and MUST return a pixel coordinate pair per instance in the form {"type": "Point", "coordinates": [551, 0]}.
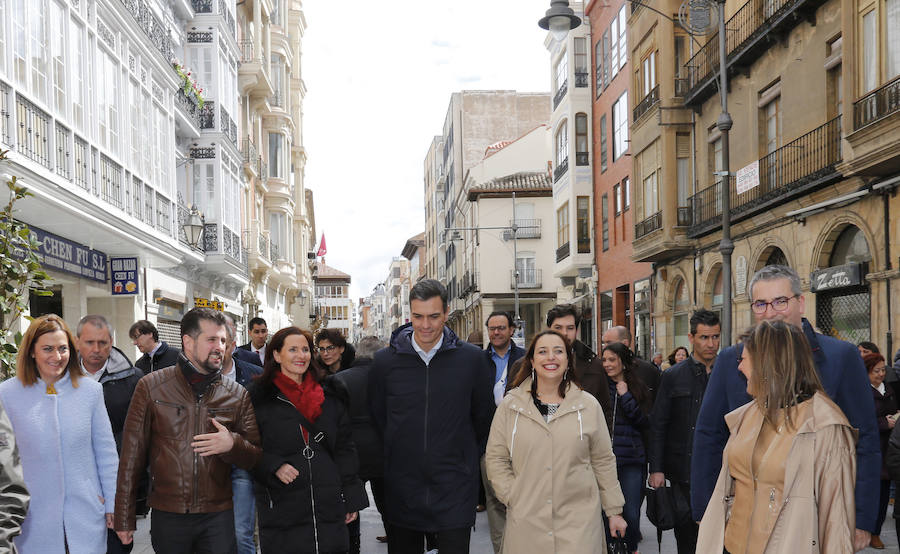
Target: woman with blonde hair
{"type": "Point", "coordinates": [65, 443]}
{"type": "Point", "coordinates": [789, 467]}
{"type": "Point", "coordinates": [547, 422]}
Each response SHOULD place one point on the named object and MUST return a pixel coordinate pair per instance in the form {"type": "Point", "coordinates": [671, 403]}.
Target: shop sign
{"type": "Point", "coordinates": [207, 303]}
{"type": "Point", "coordinates": [836, 277]}
{"type": "Point", "coordinates": [59, 254]}
{"type": "Point", "coordinates": [169, 312]}
{"type": "Point", "coordinates": [124, 276]}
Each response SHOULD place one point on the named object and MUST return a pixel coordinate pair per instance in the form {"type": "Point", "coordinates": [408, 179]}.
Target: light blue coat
{"type": "Point", "coordinates": [69, 460]}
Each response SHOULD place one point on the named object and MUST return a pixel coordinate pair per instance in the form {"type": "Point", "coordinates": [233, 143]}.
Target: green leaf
{"type": "Point", "coordinates": [11, 348]}
{"type": "Point", "coordinates": [43, 292]}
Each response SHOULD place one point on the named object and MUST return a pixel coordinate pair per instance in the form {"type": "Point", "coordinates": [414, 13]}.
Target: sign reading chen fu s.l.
{"type": "Point", "coordinates": [59, 254]}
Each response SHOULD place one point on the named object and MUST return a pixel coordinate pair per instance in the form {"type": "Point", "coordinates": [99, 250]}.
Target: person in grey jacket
{"type": "Point", "coordinates": [13, 495]}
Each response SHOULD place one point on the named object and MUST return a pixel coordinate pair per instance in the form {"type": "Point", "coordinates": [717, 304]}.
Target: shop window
{"type": "Point", "coordinates": [681, 318]}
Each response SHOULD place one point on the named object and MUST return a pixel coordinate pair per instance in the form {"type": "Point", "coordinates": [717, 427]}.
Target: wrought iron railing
{"type": "Point", "coordinates": [155, 30]}
{"type": "Point", "coordinates": [646, 103]}
{"type": "Point", "coordinates": [229, 127]}
{"type": "Point", "coordinates": [582, 158]}
{"type": "Point", "coordinates": [746, 25]}
{"type": "Point", "coordinates": [110, 181]}
{"type": "Point", "coordinates": [783, 172]}
{"type": "Point", "coordinates": [263, 247]}
{"type": "Point", "coordinates": [684, 218]}
{"type": "Point", "coordinates": [202, 6]}
{"type": "Point", "coordinates": [5, 113]}
{"type": "Point", "coordinates": [188, 105]}
{"type": "Point", "coordinates": [647, 226]}
{"type": "Point", "coordinates": [525, 229]}
{"type": "Point", "coordinates": [248, 52]}
{"type": "Point", "coordinates": [63, 151]}
{"type": "Point", "coordinates": [876, 105]}
{"type": "Point", "coordinates": [274, 249]}
{"type": "Point", "coordinates": [208, 115]}
{"type": "Point", "coordinates": [527, 278]}
{"type": "Point", "coordinates": [582, 80]}
{"type": "Point", "coordinates": [81, 164]}
{"type": "Point", "coordinates": [249, 153]}
{"type": "Point", "coordinates": [562, 252]}
{"type": "Point", "coordinates": [229, 19]}
{"type": "Point", "coordinates": [560, 93]}
{"type": "Point", "coordinates": [33, 137]}
{"type": "Point", "coordinates": [560, 169]}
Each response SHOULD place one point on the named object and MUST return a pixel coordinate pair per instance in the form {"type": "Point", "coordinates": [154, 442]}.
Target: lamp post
{"type": "Point", "coordinates": [559, 19]}
{"type": "Point", "coordinates": [726, 247]}
{"type": "Point", "coordinates": [193, 227]}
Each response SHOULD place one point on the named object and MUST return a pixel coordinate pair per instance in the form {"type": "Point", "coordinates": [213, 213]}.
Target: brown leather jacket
{"type": "Point", "coordinates": [163, 418]}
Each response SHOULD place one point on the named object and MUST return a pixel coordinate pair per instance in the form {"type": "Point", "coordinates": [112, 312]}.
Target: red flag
{"type": "Point", "coordinates": [322, 250]}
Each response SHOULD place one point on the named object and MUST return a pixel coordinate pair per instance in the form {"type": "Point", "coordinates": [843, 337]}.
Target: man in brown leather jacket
{"type": "Point", "coordinates": [191, 425]}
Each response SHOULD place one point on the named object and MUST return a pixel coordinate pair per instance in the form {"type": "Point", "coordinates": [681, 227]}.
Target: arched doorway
{"type": "Point", "coordinates": [843, 297]}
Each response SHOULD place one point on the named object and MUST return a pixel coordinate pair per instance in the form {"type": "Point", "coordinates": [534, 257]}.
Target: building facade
{"type": "Point", "coordinates": [333, 306]}
{"type": "Point", "coordinates": [812, 168]}
{"type": "Point", "coordinates": [623, 286]}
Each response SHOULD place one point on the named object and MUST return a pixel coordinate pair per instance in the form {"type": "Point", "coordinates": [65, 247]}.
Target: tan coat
{"type": "Point", "coordinates": [818, 512]}
{"type": "Point", "coordinates": [553, 477]}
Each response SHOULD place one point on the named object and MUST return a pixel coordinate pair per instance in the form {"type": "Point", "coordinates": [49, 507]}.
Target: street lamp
{"type": "Point", "coordinates": [559, 19]}
{"type": "Point", "coordinates": [193, 227]}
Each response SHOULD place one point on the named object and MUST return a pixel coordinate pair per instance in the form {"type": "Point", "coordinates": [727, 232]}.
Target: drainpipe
{"type": "Point", "coordinates": [889, 336]}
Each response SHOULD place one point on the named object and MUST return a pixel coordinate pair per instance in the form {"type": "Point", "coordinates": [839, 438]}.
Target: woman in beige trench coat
{"type": "Point", "coordinates": [550, 461]}
{"type": "Point", "coordinates": [789, 468]}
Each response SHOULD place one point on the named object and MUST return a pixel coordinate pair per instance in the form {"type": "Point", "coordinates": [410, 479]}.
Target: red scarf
{"type": "Point", "coordinates": [307, 396]}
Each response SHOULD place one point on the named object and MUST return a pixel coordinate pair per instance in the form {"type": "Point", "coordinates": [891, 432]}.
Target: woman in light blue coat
{"type": "Point", "coordinates": [65, 442]}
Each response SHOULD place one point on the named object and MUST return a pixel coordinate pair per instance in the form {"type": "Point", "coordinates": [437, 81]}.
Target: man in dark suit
{"type": "Point", "coordinates": [503, 353]}
{"type": "Point", "coordinates": [259, 334]}
{"type": "Point", "coordinates": [776, 294]}
{"type": "Point", "coordinates": [157, 354]}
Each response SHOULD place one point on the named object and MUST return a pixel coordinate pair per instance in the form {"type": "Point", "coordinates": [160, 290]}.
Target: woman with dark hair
{"type": "Point", "coordinates": [308, 489]}
{"type": "Point", "coordinates": [65, 442]}
{"type": "Point", "coordinates": [333, 352]}
{"type": "Point", "coordinates": [886, 413]}
{"type": "Point", "coordinates": [789, 467]}
{"type": "Point", "coordinates": [678, 355]}
{"type": "Point", "coordinates": [548, 422]}
{"type": "Point", "coordinates": [627, 410]}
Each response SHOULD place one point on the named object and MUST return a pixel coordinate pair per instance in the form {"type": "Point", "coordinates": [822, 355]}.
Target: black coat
{"type": "Point", "coordinates": [629, 424]}
{"type": "Point", "coordinates": [165, 356]}
{"type": "Point", "coordinates": [674, 417]}
{"type": "Point", "coordinates": [314, 505]}
{"type": "Point", "coordinates": [435, 420]}
{"type": "Point", "coordinates": [119, 380]}
{"type": "Point", "coordinates": [649, 375]}
{"type": "Point", "coordinates": [885, 405]}
{"type": "Point", "coordinates": [246, 356]}
{"type": "Point", "coordinates": [369, 446]}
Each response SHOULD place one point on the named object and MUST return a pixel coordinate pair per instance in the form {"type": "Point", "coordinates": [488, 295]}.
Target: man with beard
{"type": "Point", "coordinates": [191, 425]}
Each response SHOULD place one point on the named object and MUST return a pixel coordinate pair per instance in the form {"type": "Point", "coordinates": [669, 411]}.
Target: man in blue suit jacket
{"type": "Point", "coordinates": [776, 295]}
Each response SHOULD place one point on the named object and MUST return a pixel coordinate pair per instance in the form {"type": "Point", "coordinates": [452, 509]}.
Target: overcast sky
{"type": "Point", "coordinates": [379, 78]}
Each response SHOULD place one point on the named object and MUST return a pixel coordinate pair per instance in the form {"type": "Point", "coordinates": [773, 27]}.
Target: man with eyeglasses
{"type": "Point", "coordinates": [776, 295]}
{"type": "Point", "coordinates": [503, 353]}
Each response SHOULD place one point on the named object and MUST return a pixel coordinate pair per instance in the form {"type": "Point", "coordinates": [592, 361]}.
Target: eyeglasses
{"type": "Point", "coordinates": [779, 304]}
{"type": "Point", "coordinates": [326, 348]}
{"type": "Point", "coordinates": [498, 328]}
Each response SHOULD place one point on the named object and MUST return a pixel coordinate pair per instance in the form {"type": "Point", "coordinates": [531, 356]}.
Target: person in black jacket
{"type": "Point", "coordinates": [355, 380]}
{"type": "Point", "coordinates": [886, 411]}
{"type": "Point", "coordinates": [892, 463]}
{"type": "Point", "coordinates": [675, 414]}
{"type": "Point", "coordinates": [110, 367]}
{"type": "Point", "coordinates": [631, 405]}
{"type": "Point", "coordinates": [156, 353]}
{"type": "Point", "coordinates": [430, 398]}
{"type": "Point", "coordinates": [307, 488]}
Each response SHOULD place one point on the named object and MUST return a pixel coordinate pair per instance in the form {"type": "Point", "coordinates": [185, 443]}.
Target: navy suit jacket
{"type": "Point", "coordinates": [245, 372]}
{"type": "Point", "coordinates": [246, 355]}
{"type": "Point", "coordinates": [846, 382]}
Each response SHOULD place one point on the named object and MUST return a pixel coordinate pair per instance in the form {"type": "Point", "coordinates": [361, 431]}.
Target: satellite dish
{"type": "Point", "coordinates": [696, 16]}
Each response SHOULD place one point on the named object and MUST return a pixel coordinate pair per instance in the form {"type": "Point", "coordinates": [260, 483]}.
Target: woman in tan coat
{"type": "Point", "coordinates": [549, 458]}
{"type": "Point", "coordinates": [789, 468]}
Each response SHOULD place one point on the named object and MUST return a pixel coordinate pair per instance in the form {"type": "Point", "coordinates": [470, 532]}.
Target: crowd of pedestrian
{"type": "Point", "coordinates": [786, 441]}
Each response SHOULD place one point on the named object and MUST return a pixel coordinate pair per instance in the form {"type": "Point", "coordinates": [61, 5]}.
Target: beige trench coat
{"type": "Point", "coordinates": [818, 510]}
{"type": "Point", "coordinates": [553, 478]}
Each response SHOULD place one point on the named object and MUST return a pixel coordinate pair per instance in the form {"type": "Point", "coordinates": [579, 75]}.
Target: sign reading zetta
{"type": "Point", "coordinates": [57, 253]}
{"type": "Point", "coordinates": [836, 277]}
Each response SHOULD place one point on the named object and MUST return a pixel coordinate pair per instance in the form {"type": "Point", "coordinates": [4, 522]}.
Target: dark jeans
{"type": "Point", "coordinates": [114, 545]}
{"type": "Point", "coordinates": [631, 479]}
{"type": "Point", "coordinates": [211, 533]}
{"type": "Point", "coordinates": [410, 541]}
{"type": "Point", "coordinates": [885, 490]}
{"type": "Point", "coordinates": [685, 535]}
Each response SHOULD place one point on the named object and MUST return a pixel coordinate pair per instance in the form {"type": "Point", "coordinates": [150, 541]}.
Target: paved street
{"type": "Point", "coordinates": [481, 542]}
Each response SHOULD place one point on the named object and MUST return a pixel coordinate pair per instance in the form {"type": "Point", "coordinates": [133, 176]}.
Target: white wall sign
{"type": "Point", "coordinates": [747, 177]}
{"type": "Point", "coordinates": [740, 275]}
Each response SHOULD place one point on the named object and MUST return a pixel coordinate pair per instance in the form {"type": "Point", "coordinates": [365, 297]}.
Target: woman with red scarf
{"type": "Point", "coordinates": [307, 488]}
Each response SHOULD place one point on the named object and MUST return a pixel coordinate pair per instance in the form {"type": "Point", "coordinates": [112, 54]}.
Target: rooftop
{"type": "Point", "coordinates": [532, 183]}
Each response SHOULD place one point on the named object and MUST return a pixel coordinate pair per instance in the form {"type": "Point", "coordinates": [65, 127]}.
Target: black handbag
{"type": "Point", "coordinates": [667, 507]}
{"type": "Point", "coordinates": [617, 546]}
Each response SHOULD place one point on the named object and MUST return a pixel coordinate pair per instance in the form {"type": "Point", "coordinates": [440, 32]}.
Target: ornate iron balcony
{"type": "Point", "coordinates": [560, 169]}
{"type": "Point", "coordinates": [528, 278]}
{"type": "Point", "coordinates": [188, 105]}
{"type": "Point", "coordinates": [582, 80]}
{"type": "Point", "coordinates": [876, 105]}
{"type": "Point", "coordinates": [525, 229]}
{"type": "Point", "coordinates": [202, 6]}
{"type": "Point", "coordinates": [208, 115]}
{"type": "Point", "coordinates": [152, 27]}
{"type": "Point", "coordinates": [652, 223]}
{"type": "Point", "coordinates": [562, 252]}
{"type": "Point", "coordinates": [646, 103]}
{"type": "Point", "coordinates": [582, 158]}
{"type": "Point", "coordinates": [560, 93]}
